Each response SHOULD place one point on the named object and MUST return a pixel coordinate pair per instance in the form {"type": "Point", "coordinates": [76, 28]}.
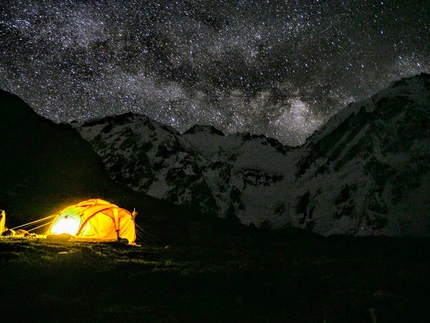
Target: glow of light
{"type": "Point", "coordinates": [66, 224]}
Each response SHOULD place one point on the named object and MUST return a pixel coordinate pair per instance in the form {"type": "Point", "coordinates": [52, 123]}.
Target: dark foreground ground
{"type": "Point", "coordinates": [250, 278]}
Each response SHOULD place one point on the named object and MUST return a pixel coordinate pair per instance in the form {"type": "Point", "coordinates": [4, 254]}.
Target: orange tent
{"type": "Point", "coordinates": [94, 220]}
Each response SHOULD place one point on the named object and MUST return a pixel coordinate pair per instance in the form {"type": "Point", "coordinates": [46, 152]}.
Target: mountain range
{"type": "Point", "coordinates": [365, 172]}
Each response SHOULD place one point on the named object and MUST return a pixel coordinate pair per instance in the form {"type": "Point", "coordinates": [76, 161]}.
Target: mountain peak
{"type": "Point", "coordinates": [197, 128]}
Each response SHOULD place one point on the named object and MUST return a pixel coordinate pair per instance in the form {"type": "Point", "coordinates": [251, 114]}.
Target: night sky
{"type": "Point", "coordinates": [279, 68]}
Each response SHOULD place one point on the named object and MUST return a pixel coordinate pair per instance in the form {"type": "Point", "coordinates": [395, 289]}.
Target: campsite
{"type": "Point", "coordinates": [223, 273]}
{"type": "Point", "coordinates": [186, 266]}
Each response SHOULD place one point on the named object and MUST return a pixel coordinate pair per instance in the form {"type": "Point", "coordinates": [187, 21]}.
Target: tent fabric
{"type": "Point", "coordinates": [94, 219]}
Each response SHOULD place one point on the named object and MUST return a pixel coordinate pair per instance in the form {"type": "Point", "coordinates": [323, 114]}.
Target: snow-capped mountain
{"type": "Point", "coordinates": [365, 172]}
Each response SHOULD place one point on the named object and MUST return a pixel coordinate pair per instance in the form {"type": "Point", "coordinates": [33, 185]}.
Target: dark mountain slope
{"type": "Point", "coordinates": [45, 166]}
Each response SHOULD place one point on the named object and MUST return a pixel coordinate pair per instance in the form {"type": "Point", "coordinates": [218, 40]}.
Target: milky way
{"type": "Point", "coordinates": [279, 68]}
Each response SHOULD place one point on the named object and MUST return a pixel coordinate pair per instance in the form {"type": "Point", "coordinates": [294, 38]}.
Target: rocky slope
{"type": "Point", "coordinates": [365, 172]}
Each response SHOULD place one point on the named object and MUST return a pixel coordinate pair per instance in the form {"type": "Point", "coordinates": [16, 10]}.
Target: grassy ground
{"type": "Point", "coordinates": [250, 277]}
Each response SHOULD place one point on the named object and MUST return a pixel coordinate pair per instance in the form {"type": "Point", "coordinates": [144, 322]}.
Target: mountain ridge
{"type": "Point", "coordinates": [343, 180]}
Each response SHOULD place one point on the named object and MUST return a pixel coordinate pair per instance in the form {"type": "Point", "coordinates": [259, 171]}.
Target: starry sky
{"type": "Point", "coordinates": [279, 68]}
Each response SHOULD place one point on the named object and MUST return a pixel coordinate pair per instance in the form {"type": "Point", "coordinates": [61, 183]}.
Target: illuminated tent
{"type": "Point", "coordinates": [94, 220]}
